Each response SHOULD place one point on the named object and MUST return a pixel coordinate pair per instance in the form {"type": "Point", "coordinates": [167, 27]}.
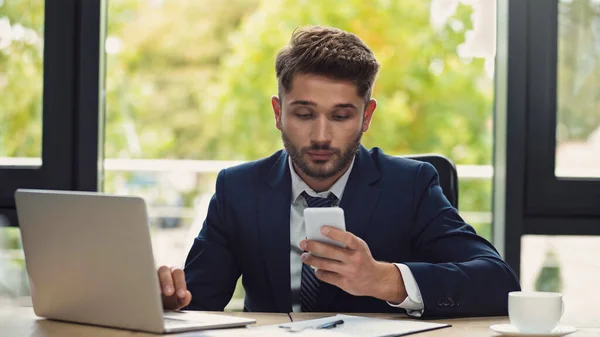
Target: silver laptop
{"type": "Point", "coordinates": [89, 260]}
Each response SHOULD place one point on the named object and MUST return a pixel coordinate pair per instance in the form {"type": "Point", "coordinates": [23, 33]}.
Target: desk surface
{"type": "Point", "coordinates": [23, 322]}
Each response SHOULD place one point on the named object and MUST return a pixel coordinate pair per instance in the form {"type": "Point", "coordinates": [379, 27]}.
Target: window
{"type": "Point", "coordinates": [49, 60]}
{"type": "Point", "coordinates": [563, 109]}
{"type": "Point", "coordinates": [21, 82]}
{"type": "Point", "coordinates": [188, 87]}
{"type": "Point", "coordinates": [21, 69]}
{"type": "Point", "coordinates": [578, 106]}
{"type": "Point", "coordinates": [541, 105]}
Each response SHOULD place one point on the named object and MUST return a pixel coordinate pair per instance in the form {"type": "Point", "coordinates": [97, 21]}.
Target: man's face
{"type": "Point", "coordinates": [321, 122]}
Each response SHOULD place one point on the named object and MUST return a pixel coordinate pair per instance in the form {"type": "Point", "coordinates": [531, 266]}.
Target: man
{"type": "Point", "coordinates": [407, 247]}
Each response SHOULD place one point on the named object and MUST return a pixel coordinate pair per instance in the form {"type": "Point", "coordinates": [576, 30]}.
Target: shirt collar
{"type": "Point", "coordinates": [299, 186]}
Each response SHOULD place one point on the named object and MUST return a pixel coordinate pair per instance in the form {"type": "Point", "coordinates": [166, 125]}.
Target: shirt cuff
{"type": "Point", "coordinates": [413, 302]}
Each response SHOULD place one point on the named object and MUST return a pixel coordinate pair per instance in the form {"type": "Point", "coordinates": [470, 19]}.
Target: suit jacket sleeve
{"type": "Point", "coordinates": [459, 273]}
{"type": "Point", "coordinates": [210, 268]}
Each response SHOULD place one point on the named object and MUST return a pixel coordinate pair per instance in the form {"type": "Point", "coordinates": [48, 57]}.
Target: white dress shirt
{"type": "Point", "coordinates": [413, 303]}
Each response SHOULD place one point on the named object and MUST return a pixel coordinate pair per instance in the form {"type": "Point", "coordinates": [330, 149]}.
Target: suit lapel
{"type": "Point", "coordinates": [274, 230]}
{"type": "Point", "coordinates": [358, 201]}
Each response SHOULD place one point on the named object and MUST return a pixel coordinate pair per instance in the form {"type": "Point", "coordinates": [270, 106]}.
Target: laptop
{"type": "Point", "coordinates": [89, 260]}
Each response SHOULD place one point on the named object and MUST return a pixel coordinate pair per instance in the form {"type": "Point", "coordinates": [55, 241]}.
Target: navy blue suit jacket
{"type": "Point", "coordinates": [394, 204]}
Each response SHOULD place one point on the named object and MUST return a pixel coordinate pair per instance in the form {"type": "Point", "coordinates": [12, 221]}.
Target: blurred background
{"type": "Point", "coordinates": [187, 93]}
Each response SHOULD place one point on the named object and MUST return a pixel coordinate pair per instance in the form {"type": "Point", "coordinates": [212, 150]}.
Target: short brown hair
{"type": "Point", "coordinates": [329, 52]}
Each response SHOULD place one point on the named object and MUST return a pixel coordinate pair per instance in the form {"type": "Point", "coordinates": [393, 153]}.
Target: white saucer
{"type": "Point", "coordinates": [511, 330]}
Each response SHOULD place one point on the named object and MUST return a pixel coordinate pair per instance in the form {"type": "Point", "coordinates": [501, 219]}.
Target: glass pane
{"type": "Point", "coordinates": [578, 122]}
{"type": "Point", "coordinates": [566, 264]}
{"type": "Point", "coordinates": [186, 97]}
{"type": "Point", "coordinates": [13, 276]}
{"type": "Point", "coordinates": [21, 81]}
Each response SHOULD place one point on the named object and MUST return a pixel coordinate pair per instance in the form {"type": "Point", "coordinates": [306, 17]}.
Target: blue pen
{"type": "Point", "coordinates": [330, 325]}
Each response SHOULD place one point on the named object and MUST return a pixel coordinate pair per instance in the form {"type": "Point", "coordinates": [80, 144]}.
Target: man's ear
{"type": "Point", "coordinates": [369, 110]}
{"type": "Point", "coordinates": [276, 104]}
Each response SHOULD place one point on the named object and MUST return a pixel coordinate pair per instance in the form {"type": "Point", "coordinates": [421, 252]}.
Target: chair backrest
{"type": "Point", "coordinates": [447, 172]}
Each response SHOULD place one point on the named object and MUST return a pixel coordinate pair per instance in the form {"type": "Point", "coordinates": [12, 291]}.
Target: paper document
{"type": "Point", "coordinates": [364, 326]}
{"type": "Point", "coordinates": [266, 331]}
{"type": "Point", "coordinates": [352, 326]}
{"type": "Point", "coordinates": [260, 332]}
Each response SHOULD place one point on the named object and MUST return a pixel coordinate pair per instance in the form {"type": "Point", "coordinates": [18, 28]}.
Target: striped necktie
{"type": "Point", "coordinates": [310, 284]}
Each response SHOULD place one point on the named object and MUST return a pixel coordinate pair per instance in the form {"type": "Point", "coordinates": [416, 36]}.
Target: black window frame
{"type": "Point", "coordinates": [547, 194]}
{"type": "Point", "coordinates": [72, 108]}
{"type": "Point", "coordinates": [528, 198]}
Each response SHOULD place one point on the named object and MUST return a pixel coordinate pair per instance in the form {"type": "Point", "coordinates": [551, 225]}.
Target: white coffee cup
{"type": "Point", "coordinates": [535, 312]}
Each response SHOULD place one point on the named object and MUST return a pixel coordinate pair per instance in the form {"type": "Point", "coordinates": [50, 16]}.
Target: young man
{"type": "Point", "coordinates": [407, 247]}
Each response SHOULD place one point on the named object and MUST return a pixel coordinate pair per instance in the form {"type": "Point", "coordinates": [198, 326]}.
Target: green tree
{"type": "Point", "coordinates": [156, 82]}
{"type": "Point", "coordinates": [21, 54]}
{"type": "Point", "coordinates": [429, 100]}
{"type": "Point", "coordinates": [192, 79]}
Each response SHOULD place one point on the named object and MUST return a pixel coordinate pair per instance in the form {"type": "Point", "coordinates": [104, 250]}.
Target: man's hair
{"type": "Point", "coordinates": [328, 52]}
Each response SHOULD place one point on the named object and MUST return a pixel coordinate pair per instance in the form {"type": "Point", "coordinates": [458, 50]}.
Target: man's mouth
{"type": "Point", "coordinates": [320, 155]}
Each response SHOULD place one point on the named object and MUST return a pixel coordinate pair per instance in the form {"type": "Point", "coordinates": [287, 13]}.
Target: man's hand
{"type": "Point", "coordinates": [353, 268]}
{"type": "Point", "coordinates": [173, 289]}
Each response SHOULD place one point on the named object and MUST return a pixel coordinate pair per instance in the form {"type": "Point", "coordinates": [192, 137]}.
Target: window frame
{"type": "Point", "coordinates": [72, 108]}
{"type": "Point", "coordinates": [525, 194]}
{"type": "Point", "coordinates": [547, 194]}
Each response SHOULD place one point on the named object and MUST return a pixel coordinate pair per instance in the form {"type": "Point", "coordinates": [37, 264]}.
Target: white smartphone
{"type": "Point", "coordinates": [317, 217]}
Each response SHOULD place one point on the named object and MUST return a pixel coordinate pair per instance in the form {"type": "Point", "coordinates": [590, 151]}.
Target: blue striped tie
{"type": "Point", "coordinates": [310, 284]}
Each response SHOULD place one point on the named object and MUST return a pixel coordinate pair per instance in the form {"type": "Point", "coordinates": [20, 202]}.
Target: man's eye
{"type": "Point", "coordinates": [340, 117]}
{"type": "Point", "coordinates": [303, 115]}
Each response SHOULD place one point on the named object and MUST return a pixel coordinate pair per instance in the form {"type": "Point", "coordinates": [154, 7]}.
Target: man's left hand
{"type": "Point", "coordinates": [353, 269]}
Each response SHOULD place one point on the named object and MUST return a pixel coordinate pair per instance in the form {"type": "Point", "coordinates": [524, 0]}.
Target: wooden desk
{"type": "Point", "coordinates": [23, 322]}
{"type": "Point", "coordinates": [466, 327]}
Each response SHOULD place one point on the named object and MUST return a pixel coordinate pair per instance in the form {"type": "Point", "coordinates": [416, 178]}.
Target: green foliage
{"type": "Point", "coordinates": [192, 79]}
{"type": "Point", "coordinates": [155, 85]}
{"type": "Point", "coordinates": [549, 277]}
{"type": "Point", "coordinates": [425, 92]}
{"type": "Point", "coordinates": [21, 53]}
{"type": "Point", "coordinates": [476, 194]}
{"type": "Point", "coordinates": [10, 238]}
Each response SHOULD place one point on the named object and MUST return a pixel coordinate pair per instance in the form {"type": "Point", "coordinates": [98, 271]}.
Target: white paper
{"type": "Point", "coordinates": [365, 327]}
{"type": "Point", "coordinates": [269, 331]}
{"type": "Point", "coordinates": [353, 326]}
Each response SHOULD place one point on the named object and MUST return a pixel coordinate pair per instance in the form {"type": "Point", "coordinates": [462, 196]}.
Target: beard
{"type": "Point", "coordinates": [321, 169]}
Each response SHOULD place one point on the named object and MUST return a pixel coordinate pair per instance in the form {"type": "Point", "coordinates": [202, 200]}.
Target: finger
{"type": "Point", "coordinates": [185, 300]}
{"type": "Point", "coordinates": [321, 263]}
{"type": "Point", "coordinates": [170, 302]}
{"type": "Point", "coordinates": [175, 303]}
{"type": "Point", "coordinates": [179, 282]}
{"type": "Point", "coordinates": [350, 240]}
{"type": "Point", "coordinates": [327, 251]}
{"type": "Point", "coordinates": [166, 281]}
{"type": "Point", "coordinates": [329, 277]}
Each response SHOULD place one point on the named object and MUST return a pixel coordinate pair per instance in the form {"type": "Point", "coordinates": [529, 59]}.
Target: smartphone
{"type": "Point", "coordinates": [317, 217]}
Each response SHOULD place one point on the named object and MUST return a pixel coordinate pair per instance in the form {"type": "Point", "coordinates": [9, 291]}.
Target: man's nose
{"type": "Point", "coordinates": [321, 132]}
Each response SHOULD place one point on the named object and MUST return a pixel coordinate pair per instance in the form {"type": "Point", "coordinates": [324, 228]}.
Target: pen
{"type": "Point", "coordinates": [330, 325]}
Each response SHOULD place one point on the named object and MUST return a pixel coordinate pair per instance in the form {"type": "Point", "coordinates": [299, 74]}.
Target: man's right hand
{"type": "Point", "coordinates": [173, 288]}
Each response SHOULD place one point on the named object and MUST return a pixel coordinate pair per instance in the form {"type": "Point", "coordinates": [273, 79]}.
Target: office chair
{"type": "Point", "coordinates": [447, 172]}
